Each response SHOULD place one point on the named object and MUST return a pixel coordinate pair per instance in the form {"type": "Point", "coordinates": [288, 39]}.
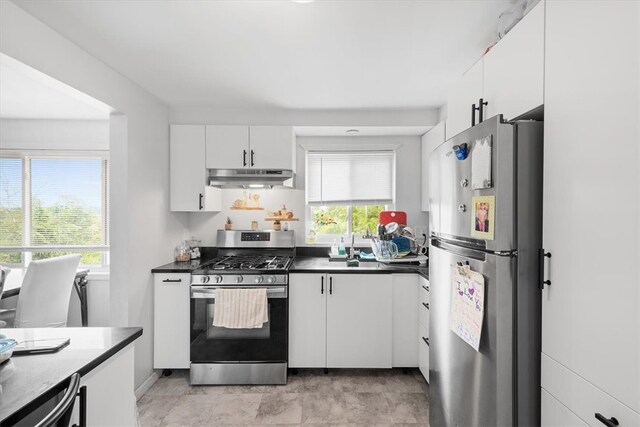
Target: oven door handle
{"type": "Point", "coordinates": [210, 292]}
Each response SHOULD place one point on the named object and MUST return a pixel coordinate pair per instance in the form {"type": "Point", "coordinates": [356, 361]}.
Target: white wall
{"type": "Point", "coordinates": [33, 134]}
{"type": "Point", "coordinates": [143, 231]}
{"type": "Point", "coordinates": [408, 198]}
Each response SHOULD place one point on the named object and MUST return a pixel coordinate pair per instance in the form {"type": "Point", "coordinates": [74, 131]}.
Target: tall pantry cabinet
{"type": "Point", "coordinates": [591, 308]}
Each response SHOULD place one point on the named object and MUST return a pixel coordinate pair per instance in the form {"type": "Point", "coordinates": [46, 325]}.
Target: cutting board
{"type": "Point", "coordinates": [385, 217]}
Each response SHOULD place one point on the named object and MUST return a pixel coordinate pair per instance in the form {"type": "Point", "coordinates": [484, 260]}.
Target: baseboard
{"type": "Point", "coordinates": [146, 384]}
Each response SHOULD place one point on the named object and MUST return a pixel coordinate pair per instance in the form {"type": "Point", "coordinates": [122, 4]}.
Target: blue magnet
{"type": "Point", "coordinates": [461, 151]}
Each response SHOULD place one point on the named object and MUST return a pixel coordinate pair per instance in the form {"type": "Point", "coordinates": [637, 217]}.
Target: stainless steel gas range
{"type": "Point", "coordinates": [246, 259]}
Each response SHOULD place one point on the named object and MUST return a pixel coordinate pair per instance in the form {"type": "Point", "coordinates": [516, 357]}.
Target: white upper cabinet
{"type": "Point", "coordinates": [430, 141]}
{"type": "Point", "coordinates": [227, 147]}
{"type": "Point", "coordinates": [242, 147]}
{"type": "Point", "coordinates": [514, 68]}
{"type": "Point", "coordinates": [467, 91]}
{"type": "Point", "coordinates": [590, 316]}
{"type": "Point", "coordinates": [509, 78]}
{"type": "Point", "coordinates": [271, 147]}
{"type": "Point", "coordinates": [188, 189]}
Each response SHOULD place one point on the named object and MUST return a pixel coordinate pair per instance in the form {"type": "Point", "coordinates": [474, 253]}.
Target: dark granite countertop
{"type": "Point", "coordinates": [30, 380]}
{"type": "Point", "coordinates": [320, 264]}
{"type": "Point", "coordinates": [181, 267]}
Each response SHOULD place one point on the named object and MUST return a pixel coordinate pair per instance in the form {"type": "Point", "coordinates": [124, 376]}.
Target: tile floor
{"type": "Point", "coordinates": [342, 397]}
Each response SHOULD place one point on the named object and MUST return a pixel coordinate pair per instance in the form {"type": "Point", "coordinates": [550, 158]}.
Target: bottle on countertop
{"type": "Point", "coordinates": [341, 247]}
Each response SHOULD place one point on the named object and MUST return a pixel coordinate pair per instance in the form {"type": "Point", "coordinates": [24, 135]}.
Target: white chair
{"type": "Point", "coordinates": [44, 296]}
{"type": "Point", "coordinates": [4, 272]}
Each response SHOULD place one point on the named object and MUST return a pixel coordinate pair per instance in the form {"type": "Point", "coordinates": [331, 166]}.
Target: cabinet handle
{"type": "Point", "coordinates": [322, 285]}
{"type": "Point", "coordinates": [330, 285]}
{"type": "Point", "coordinates": [244, 157]}
{"type": "Point", "coordinates": [609, 422]}
{"type": "Point", "coordinates": [473, 115]}
{"type": "Point", "coordinates": [172, 280]}
{"type": "Point", "coordinates": [426, 340]}
{"type": "Point", "coordinates": [426, 304]}
{"type": "Point", "coordinates": [481, 104]}
{"type": "Point", "coordinates": [541, 281]}
{"type": "Point", "coordinates": [200, 202]}
{"type": "Point", "coordinates": [252, 154]}
{"type": "Point", "coordinates": [426, 288]}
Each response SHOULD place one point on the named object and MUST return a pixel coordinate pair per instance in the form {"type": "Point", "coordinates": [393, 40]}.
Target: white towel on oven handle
{"type": "Point", "coordinates": [241, 308]}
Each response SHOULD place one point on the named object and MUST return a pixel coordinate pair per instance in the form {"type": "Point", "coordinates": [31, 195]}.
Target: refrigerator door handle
{"type": "Point", "coordinates": [541, 269]}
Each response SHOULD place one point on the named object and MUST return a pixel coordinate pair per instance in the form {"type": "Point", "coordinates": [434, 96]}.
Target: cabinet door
{"type": "Point", "coordinates": [590, 316]}
{"type": "Point", "coordinates": [110, 394]}
{"type": "Point", "coordinates": [171, 307]}
{"type": "Point", "coordinates": [430, 141]}
{"type": "Point", "coordinates": [359, 321]}
{"type": "Point", "coordinates": [467, 91]}
{"type": "Point", "coordinates": [271, 147]}
{"type": "Point", "coordinates": [555, 414]}
{"type": "Point", "coordinates": [307, 320]}
{"type": "Point", "coordinates": [423, 351]}
{"type": "Point", "coordinates": [188, 175]}
{"type": "Point", "coordinates": [405, 320]}
{"type": "Point", "coordinates": [514, 68]}
{"type": "Point", "coordinates": [227, 147]}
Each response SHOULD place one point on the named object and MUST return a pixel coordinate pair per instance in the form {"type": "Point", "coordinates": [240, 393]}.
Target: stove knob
{"type": "Point", "coordinates": [271, 279]}
{"type": "Point", "coordinates": [239, 279]}
{"type": "Point", "coordinates": [205, 279]}
{"type": "Point", "coordinates": [218, 279]}
{"type": "Point", "coordinates": [259, 279]}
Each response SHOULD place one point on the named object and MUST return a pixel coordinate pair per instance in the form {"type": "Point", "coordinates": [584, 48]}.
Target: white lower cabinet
{"type": "Point", "coordinates": [555, 414]}
{"type": "Point", "coordinates": [307, 320]}
{"type": "Point", "coordinates": [423, 328]}
{"type": "Point", "coordinates": [356, 312]}
{"type": "Point", "coordinates": [405, 320]}
{"type": "Point", "coordinates": [110, 398]}
{"type": "Point", "coordinates": [171, 341]}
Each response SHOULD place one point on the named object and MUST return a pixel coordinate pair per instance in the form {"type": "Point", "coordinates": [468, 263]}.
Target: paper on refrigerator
{"type": "Point", "coordinates": [467, 304]}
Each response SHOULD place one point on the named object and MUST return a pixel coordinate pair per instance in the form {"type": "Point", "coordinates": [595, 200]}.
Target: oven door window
{"type": "Point", "coordinates": [216, 344]}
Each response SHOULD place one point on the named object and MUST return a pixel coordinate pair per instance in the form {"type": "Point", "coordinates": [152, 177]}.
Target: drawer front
{"type": "Point", "coordinates": [555, 414]}
{"type": "Point", "coordinates": [424, 290]}
{"type": "Point", "coordinates": [423, 352]}
{"type": "Point", "coordinates": [583, 398]}
{"type": "Point", "coordinates": [423, 315]}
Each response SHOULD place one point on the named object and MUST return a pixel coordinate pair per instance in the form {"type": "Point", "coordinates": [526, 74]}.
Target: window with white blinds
{"type": "Point", "coordinates": [53, 205]}
{"type": "Point", "coordinates": [353, 177]}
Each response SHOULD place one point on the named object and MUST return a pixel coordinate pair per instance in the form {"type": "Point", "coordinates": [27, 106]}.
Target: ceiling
{"type": "Point", "coordinates": [326, 54]}
{"type": "Point", "coordinates": [29, 94]}
{"type": "Point", "coordinates": [360, 130]}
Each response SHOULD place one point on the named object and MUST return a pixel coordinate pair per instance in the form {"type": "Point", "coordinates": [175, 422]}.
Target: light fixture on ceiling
{"type": "Point", "coordinates": [303, 1]}
{"type": "Point", "coordinates": [352, 131]}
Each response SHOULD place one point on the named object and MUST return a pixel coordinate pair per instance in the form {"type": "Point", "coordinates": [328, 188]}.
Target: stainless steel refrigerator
{"type": "Point", "coordinates": [498, 385]}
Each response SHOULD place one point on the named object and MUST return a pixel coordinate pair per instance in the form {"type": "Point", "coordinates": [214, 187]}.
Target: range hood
{"type": "Point", "coordinates": [250, 178]}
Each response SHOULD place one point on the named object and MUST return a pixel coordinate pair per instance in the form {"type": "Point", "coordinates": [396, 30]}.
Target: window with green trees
{"type": "Point", "coordinates": [51, 206]}
{"type": "Point", "coordinates": [332, 222]}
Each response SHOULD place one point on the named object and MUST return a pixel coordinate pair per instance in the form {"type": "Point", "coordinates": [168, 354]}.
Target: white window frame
{"type": "Point", "coordinates": [26, 248]}
{"type": "Point", "coordinates": [324, 239]}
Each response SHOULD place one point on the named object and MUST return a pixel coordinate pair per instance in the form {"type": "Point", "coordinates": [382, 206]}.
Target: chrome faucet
{"type": "Point", "coordinates": [352, 252]}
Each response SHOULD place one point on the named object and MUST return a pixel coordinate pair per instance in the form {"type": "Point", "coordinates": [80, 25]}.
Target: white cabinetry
{"type": "Point", "coordinates": [555, 414]}
{"type": "Point", "coordinates": [359, 321]}
{"type": "Point", "coordinates": [405, 320]}
{"type": "Point", "coordinates": [423, 327]}
{"type": "Point", "coordinates": [430, 142]}
{"type": "Point", "coordinates": [467, 91]}
{"type": "Point", "coordinates": [356, 309]}
{"type": "Point", "coordinates": [110, 398]}
{"type": "Point", "coordinates": [188, 189]}
{"type": "Point", "coordinates": [307, 320]}
{"type": "Point", "coordinates": [241, 147]}
{"type": "Point", "coordinates": [590, 316]}
{"type": "Point", "coordinates": [514, 68]}
{"type": "Point", "coordinates": [509, 78]}
{"type": "Point", "coordinates": [227, 147]}
{"type": "Point", "coordinates": [171, 321]}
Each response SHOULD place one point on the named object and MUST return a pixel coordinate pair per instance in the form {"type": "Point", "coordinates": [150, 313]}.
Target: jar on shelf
{"type": "Point", "coordinates": [182, 253]}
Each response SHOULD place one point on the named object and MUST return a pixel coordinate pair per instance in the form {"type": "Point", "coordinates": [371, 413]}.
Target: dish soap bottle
{"type": "Point", "coordinates": [341, 248]}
